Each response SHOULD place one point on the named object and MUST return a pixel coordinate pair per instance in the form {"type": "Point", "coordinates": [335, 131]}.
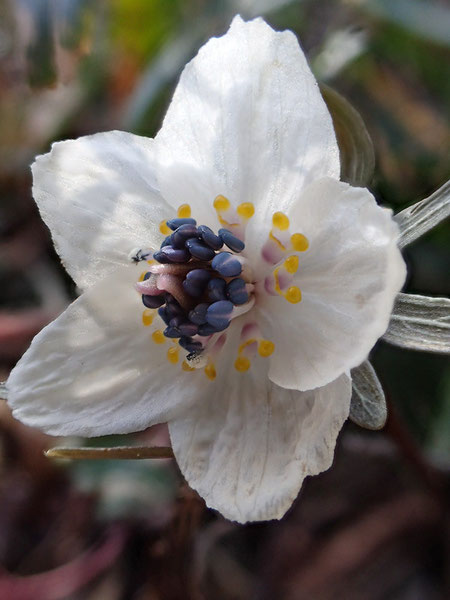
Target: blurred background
{"type": "Point", "coordinates": [372, 527]}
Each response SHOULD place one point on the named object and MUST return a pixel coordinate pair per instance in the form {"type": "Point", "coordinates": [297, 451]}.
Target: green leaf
{"type": "Point", "coordinates": [419, 218]}
{"type": "Point", "coordinates": [355, 145]}
{"type": "Point", "coordinates": [368, 404]}
{"type": "Point", "coordinates": [420, 323]}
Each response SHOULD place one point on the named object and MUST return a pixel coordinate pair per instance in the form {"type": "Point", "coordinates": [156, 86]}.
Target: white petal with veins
{"type": "Point", "coordinates": [349, 277]}
{"type": "Point", "coordinates": [99, 197]}
{"type": "Point", "coordinates": [248, 447]}
{"type": "Point", "coordinates": [95, 370]}
{"type": "Point", "coordinates": [247, 121]}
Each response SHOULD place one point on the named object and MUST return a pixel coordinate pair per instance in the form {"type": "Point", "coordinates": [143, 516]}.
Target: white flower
{"type": "Point", "coordinates": [247, 143]}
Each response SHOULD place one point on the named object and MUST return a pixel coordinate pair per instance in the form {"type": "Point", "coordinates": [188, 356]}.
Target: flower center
{"type": "Point", "coordinates": [198, 282]}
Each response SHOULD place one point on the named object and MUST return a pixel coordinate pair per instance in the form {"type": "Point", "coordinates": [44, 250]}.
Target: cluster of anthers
{"type": "Point", "coordinates": [197, 288]}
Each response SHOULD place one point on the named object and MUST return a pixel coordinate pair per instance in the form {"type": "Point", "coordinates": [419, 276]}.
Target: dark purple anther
{"type": "Point", "coordinates": [217, 289]}
{"type": "Point", "coordinates": [183, 233]}
{"type": "Point", "coordinates": [167, 241]}
{"type": "Point", "coordinates": [175, 223]}
{"type": "Point", "coordinates": [236, 292]}
{"type": "Point", "coordinates": [226, 264]}
{"type": "Point", "coordinates": [188, 329]}
{"type": "Point", "coordinates": [172, 307]}
{"type": "Point", "coordinates": [176, 321]}
{"type": "Point", "coordinates": [147, 276]}
{"type": "Point", "coordinates": [198, 314]}
{"type": "Point", "coordinates": [231, 240]}
{"type": "Point", "coordinates": [172, 332]}
{"type": "Point", "coordinates": [199, 250]}
{"type": "Point", "coordinates": [209, 237]}
{"type": "Point", "coordinates": [161, 257]}
{"type": "Point", "coordinates": [190, 345]}
{"type": "Point", "coordinates": [174, 255]}
{"type": "Point", "coordinates": [207, 329]}
{"type": "Point", "coordinates": [153, 301]}
{"type": "Point", "coordinates": [162, 312]}
{"type": "Point", "coordinates": [218, 314]}
{"type": "Point", "coordinates": [195, 282]}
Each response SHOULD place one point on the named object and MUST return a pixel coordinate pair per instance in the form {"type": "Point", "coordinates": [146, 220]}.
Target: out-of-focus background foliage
{"type": "Point", "coordinates": [373, 527]}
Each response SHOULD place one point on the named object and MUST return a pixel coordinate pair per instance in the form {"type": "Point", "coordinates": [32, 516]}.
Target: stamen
{"type": "Point", "coordinates": [217, 289]}
{"type": "Point", "coordinates": [246, 350]}
{"type": "Point", "coordinates": [221, 204]}
{"type": "Point", "coordinates": [251, 341]}
{"type": "Point", "coordinates": [184, 211]}
{"type": "Point", "coordinates": [245, 345]}
{"type": "Point", "coordinates": [293, 295]}
{"type": "Point", "coordinates": [164, 229]}
{"type": "Point", "coordinates": [153, 301]}
{"type": "Point", "coordinates": [280, 221]}
{"type": "Point", "coordinates": [199, 250]}
{"type": "Point", "coordinates": [210, 371]}
{"type": "Point", "coordinates": [218, 314]}
{"type": "Point", "coordinates": [147, 317]}
{"type": "Point", "coordinates": [231, 240]}
{"type": "Point", "coordinates": [299, 242]}
{"type": "Point", "coordinates": [246, 210]}
{"type": "Point", "coordinates": [187, 269]}
{"type": "Point", "coordinates": [291, 264]}
{"type": "Point", "coordinates": [242, 364]}
{"type": "Point", "coordinates": [237, 292]}
{"type": "Point", "coordinates": [266, 348]}
{"type": "Point", "coordinates": [196, 281]}
{"type": "Point", "coordinates": [175, 223]}
{"type": "Point", "coordinates": [198, 314]}
{"type": "Point", "coordinates": [188, 329]}
{"type": "Point", "coordinates": [278, 242]}
{"type": "Point", "coordinates": [190, 344]}
{"type": "Point", "coordinates": [226, 264]}
{"type": "Point", "coordinates": [161, 257]}
{"type": "Point", "coordinates": [163, 313]}
{"type": "Point", "coordinates": [281, 279]}
{"type": "Point", "coordinates": [172, 332]}
{"type": "Point", "coordinates": [186, 367]}
{"type": "Point", "coordinates": [210, 238]}
{"type": "Point", "coordinates": [158, 337]}
{"type": "Point", "coordinates": [206, 330]}
{"type": "Point", "coordinates": [174, 255]}
{"type": "Point", "coordinates": [180, 236]}
{"type": "Point", "coordinates": [172, 355]}
{"type": "Point", "coordinates": [225, 213]}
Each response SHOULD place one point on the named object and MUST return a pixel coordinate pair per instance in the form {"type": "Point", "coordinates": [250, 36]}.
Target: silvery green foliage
{"type": "Point", "coordinates": [420, 323]}
{"type": "Point", "coordinates": [419, 218]}
{"type": "Point", "coordinates": [355, 144]}
{"type": "Point", "coordinates": [417, 322]}
{"type": "Point", "coordinates": [368, 404]}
